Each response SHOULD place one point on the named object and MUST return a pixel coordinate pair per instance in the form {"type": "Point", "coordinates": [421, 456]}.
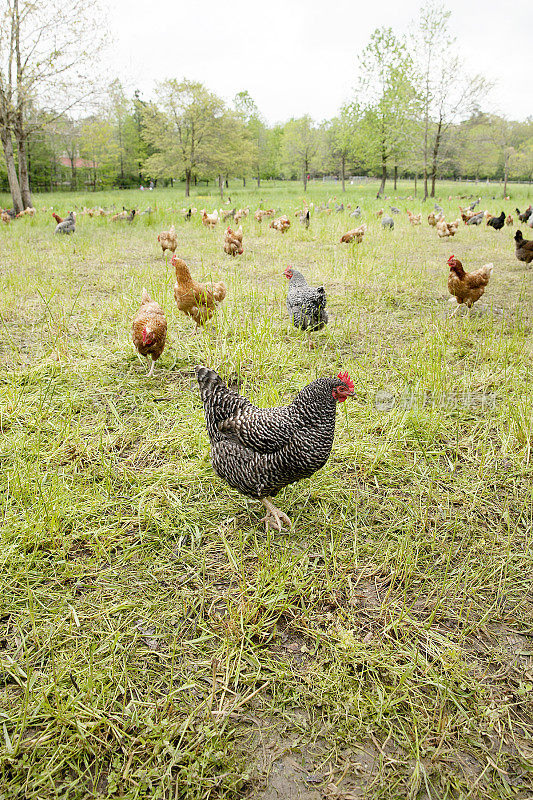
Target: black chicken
{"type": "Point", "coordinates": [497, 222]}
{"type": "Point", "coordinates": [258, 451]}
{"type": "Point", "coordinates": [305, 304]}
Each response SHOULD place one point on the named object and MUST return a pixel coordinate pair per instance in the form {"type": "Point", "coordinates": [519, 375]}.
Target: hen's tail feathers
{"type": "Point", "coordinates": [219, 291]}
{"type": "Point", "coordinates": [145, 297]}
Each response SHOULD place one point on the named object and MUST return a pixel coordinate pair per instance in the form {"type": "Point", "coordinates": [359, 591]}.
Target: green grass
{"type": "Point", "coordinates": [155, 642]}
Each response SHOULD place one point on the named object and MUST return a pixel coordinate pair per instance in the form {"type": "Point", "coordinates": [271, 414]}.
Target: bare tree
{"type": "Point", "coordinates": [46, 50]}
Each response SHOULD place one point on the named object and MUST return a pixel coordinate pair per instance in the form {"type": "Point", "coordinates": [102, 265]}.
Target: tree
{"type": "Point", "coordinates": [46, 47]}
{"type": "Point", "coordinates": [476, 150]}
{"type": "Point", "coordinates": [340, 135]}
{"type": "Point", "coordinates": [299, 147]}
{"type": "Point", "coordinates": [183, 134]}
{"type": "Point", "coordinates": [445, 91]}
{"type": "Point", "coordinates": [386, 99]}
{"type": "Point", "coordinates": [99, 149]}
{"type": "Point", "coordinates": [247, 109]}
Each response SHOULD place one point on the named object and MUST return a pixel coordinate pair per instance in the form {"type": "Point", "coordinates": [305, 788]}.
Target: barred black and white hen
{"type": "Point", "coordinates": [305, 304]}
{"type": "Point", "coordinates": [258, 451]}
{"type": "Point", "coordinates": [68, 225]}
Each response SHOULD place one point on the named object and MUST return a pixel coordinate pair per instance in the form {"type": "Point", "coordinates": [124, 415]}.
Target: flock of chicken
{"type": "Point", "coordinates": [260, 451]}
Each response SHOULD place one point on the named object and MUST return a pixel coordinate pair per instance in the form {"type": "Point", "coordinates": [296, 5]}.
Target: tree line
{"type": "Point", "coordinates": [415, 112]}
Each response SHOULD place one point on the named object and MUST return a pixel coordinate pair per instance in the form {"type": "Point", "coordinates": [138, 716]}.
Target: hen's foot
{"type": "Point", "coordinates": [274, 516]}
{"type": "Point", "coordinates": [149, 374]}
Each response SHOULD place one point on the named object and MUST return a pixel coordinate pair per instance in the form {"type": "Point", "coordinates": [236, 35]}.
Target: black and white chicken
{"type": "Point", "coordinates": [259, 451]}
{"type": "Point", "coordinates": [305, 304]}
{"type": "Point", "coordinates": [68, 225]}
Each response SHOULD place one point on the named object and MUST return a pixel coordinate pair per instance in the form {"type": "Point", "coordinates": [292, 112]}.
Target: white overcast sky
{"type": "Point", "coordinates": [300, 56]}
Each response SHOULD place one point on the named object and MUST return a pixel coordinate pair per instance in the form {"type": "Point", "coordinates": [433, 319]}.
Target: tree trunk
{"type": "Point", "coordinates": [227, 183]}
{"type": "Point", "coordinates": [343, 172]}
{"type": "Point", "coordinates": [395, 176]}
{"type": "Point", "coordinates": [14, 187]}
{"type": "Point", "coordinates": [415, 183]}
{"type": "Point", "coordinates": [24, 178]}
{"type": "Point", "coordinates": [188, 182]}
{"type": "Point", "coordinates": [244, 183]}
{"type": "Point", "coordinates": [435, 157]}
{"type": "Point", "coordinates": [221, 186]}
{"type": "Point", "coordinates": [258, 181]}
{"type": "Point", "coordinates": [506, 176]}
{"type": "Point", "coordinates": [73, 177]}
{"type": "Point", "coordinates": [383, 179]}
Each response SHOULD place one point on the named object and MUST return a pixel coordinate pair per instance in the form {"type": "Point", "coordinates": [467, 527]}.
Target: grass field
{"type": "Point", "coordinates": [155, 642]}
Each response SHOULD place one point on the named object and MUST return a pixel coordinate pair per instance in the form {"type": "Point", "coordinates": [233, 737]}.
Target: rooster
{"type": "Point", "coordinates": [196, 300]}
{"type": "Point", "coordinates": [467, 287]}
{"type": "Point", "coordinates": [149, 330]}
{"type": "Point", "coordinates": [57, 218]}
{"type": "Point", "coordinates": [305, 304]}
{"type": "Point", "coordinates": [259, 451]}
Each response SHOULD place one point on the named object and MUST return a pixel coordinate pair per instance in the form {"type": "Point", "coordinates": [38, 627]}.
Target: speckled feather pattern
{"type": "Point", "coordinates": [305, 304]}
{"type": "Point", "coordinates": [259, 451]}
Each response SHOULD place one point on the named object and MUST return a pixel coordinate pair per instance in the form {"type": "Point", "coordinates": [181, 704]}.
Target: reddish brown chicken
{"type": "Point", "coordinates": [467, 287]}
{"type": "Point", "coordinates": [233, 242]}
{"type": "Point", "coordinates": [196, 300]}
{"type": "Point", "coordinates": [149, 330]}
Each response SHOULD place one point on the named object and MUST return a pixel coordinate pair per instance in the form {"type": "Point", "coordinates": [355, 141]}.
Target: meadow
{"type": "Point", "coordinates": [155, 641]}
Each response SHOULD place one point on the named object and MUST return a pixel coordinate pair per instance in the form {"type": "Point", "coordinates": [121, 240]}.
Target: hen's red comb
{"type": "Point", "coordinates": [451, 259]}
{"type": "Point", "coordinates": [345, 378]}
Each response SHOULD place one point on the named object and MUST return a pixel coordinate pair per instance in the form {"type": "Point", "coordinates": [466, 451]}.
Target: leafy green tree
{"type": "Point", "coordinates": [98, 147]}
{"type": "Point", "coordinates": [387, 100]}
{"type": "Point", "coordinates": [257, 149]}
{"type": "Point", "coordinates": [183, 133]}
{"type": "Point", "coordinates": [341, 139]}
{"type": "Point", "coordinates": [299, 147]}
